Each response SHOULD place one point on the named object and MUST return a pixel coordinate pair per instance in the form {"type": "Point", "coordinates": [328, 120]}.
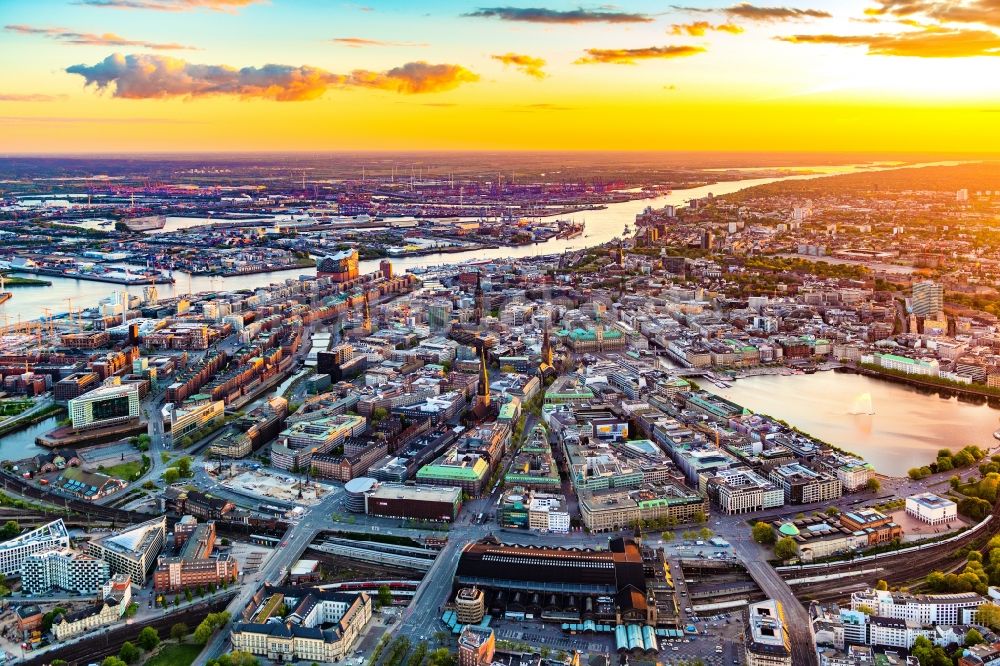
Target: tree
{"type": "Point", "coordinates": [988, 615]}
{"type": "Point", "coordinates": [170, 475]}
{"type": "Point", "coordinates": [973, 637]}
{"type": "Point", "coordinates": [179, 631]}
{"type": "Point", "coordinates": [873, 485]}
{"type": "Point", "coordinates": [785, 548]}
{"type": "Point", "coordinates": [928, 655]}
{"type": "Point", "coordinates": [202, 633]}
{"type": "Point", "coordinates": [882, 586]}
{"type": "Point", "coordinates": [384, 595]}
{"type": "Point", "coordinates": [187, 594]}
{"type": "Point", "coordinates": [129, 653]}
{"type": "Point", "coordinates": [148, 638]}
{"type": "Point", "coordinates": [113, 661]}
{"type": "Point", "coordinates": [184, 466]}
{"type": "Point", "coordinates": [49, 618]}
{"type": "Point", "coordinates": [762, 533]}
{"type": "Point", "coordinates": [441, 657]}
{"type": "Point", "coordinates": [10, 530]}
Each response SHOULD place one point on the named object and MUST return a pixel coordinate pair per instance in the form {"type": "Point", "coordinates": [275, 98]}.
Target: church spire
{"type": "Point", "coordinates": [368, 315]}
{"type": "Point", "coordinates": [483, 391]}
{"type": "Point", "coordinates": [546, 348]}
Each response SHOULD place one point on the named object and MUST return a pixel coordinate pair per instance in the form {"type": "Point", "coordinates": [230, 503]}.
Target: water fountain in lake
{"type": "Point", "coordinates": [862, 404]}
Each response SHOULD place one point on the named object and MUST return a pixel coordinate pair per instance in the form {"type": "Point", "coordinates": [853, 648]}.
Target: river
{"type": "Point", "coordinates": [602, 226]}
{"type": "Point", "coordinates": [907, 428]}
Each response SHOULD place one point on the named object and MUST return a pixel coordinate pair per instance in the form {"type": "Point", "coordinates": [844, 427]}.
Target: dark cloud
{"type": "Point", "coordinates": [630, 56]}
{"type": "Point", "coordinates": [745, 10]}
{"type": "Point", "coordinates": [749, 12]}
{"type": "Point", "coordinates": [929, 43]}
{"type": "Point", "coordinates": [361, 42]}
{"type": "Point", "coordinates": [67, 36]}
{"type": "Point", "coordinates": [572, 16]}
{"type": "Point", "coordinates": [155, 76]}
{"type": "Point", "coordinates": [171, 5]}
{"type": "Point", "coordinates": [528, 64]}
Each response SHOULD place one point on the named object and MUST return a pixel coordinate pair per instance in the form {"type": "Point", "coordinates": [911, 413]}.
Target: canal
{"type": "Point", "coordinates": [21, 444]}
{"type": "Point", "coordinates": [907, 427]}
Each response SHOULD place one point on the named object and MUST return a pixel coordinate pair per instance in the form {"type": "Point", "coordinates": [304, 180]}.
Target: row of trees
{"type": "Point", "coordinates": [130, 652]}
{"type": "Point", "coordinates": [947, 461]}
{"type": "Point", "coordinates": [235, 658]}
{"type": "Point", "coordinates": [212, 623]}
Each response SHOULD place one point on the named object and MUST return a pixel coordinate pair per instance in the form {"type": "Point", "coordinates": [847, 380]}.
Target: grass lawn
{"type": "Point", "coordinates": [125, 471]}
{"type": "Point", "coordinates": [14, 407]}
{"type": "Point", "coordinates": [182, 654]}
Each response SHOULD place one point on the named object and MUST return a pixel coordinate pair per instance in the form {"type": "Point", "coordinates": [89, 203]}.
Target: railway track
{"type": "Point", "coordinates": [896, 569]}
{"type": "Point", "coordinates": [94, 650]}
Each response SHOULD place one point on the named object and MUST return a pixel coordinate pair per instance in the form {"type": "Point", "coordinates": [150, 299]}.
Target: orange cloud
{"type": "Point", "coordinates": [360, 42]}
{"type": "Point", "coordinates": [986, 12]}
{"type": "Point", "coordinates": [931, 43]}
{"type": "Point", "coordinates": [528, 64]}
{"type": "Point", "coordinates": [699, 28]}
{"type": "Point", "coordinates": [67, 36]}
{"type": "Point", "coordinates": [154, 76]}
{"type": "Point", "coordinates": [630, 56]}
{"type": "Point", "coordinates": [172, 5]}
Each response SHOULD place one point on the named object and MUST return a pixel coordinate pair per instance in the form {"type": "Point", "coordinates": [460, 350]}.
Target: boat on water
{"type": "Point", "coordinates": [147, 223]}
{"type": "Point", "coordinates": [5, 296]}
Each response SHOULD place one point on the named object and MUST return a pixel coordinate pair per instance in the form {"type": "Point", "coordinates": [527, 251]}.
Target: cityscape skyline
{"type": "Point", "coordinates": [243, 75]}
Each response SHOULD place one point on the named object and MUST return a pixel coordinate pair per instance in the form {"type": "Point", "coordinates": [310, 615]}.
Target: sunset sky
{"type": "Point", "coordinates": [180, 75]}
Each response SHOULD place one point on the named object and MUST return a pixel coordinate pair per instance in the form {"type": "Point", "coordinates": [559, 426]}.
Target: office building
{"type": "Point", "coordinates": [802, 485]}
{"type": "Point", "coordinates": [132, 551]}
{"type": "Point", "coordinates": [741, 490]}
{"type": "Point", "coordinates": [320, 626]}
{"type": "Point", "coordinates": [63, 569]}
{"type": "Point", "coordinates": [928, 299]}
{"type": "Point", "coordinates": [195, 565]}
{"type": "Point", "coordinates": [922, 608]}
{"type": "Point", "coordinates": [931, 509]}
{"type": "Point", "coordinates": [195, 416]}
{"type": "Point", "coordinates": [14, 551]}
{"type": "Point", "coordinates": [766, 642]}
{"type": "Point", "coordinates": [476, 646]}
{"type": "Point", "coordinates": [419, 502]}
{"type": "Point", "coordinates": [470, 605]}
{"type": "Point", "coordinates": [105, 406]}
